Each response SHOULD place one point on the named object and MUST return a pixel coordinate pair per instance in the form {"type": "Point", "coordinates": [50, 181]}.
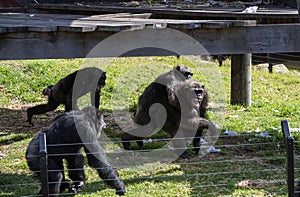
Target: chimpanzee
{"type": "Point", "coordinates": [185, 103]}
{"type": "Point", "coordinates": [65, 138]}
{"type": "Point", "coordinates": [177, 74]}
{"type": "Point", "coordinates": [89, 79]}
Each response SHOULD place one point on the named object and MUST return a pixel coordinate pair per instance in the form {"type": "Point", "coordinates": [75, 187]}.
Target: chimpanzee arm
{"type": "Point", "coordinates": [95, 98]}
{"type": "Point", "coordinates": [98, 160]}
{"type": "Point", "coordinates": [71, 102]}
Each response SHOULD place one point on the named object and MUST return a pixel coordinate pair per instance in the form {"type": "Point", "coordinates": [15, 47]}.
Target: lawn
{"type": "Point", "coordinates": [247, 165]}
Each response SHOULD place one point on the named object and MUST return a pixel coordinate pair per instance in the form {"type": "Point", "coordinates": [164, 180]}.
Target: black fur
{"type": "Point", "coordinates": [62, 91]}
{"type": "Point", "coordinates": [190, 109]}
{"type": "Point", "coordinates": [65, 138]}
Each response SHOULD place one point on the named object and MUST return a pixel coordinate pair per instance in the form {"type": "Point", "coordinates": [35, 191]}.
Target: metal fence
{"type": "Point", "coordinates": [246, 161]}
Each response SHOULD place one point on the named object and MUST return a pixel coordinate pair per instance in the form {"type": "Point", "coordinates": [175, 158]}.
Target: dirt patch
{"type": "Point", "coordinates": [13, 117]}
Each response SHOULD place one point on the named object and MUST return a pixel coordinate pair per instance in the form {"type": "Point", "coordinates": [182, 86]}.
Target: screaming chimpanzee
{"type": "Point", "coordinates": [65, 137]}
{"type": "Point", "coordinates": [185, 103]}
{"type": "Point", "coordinates": [178, 74]}
{"type": "Point", "coordinates": [63, 92]}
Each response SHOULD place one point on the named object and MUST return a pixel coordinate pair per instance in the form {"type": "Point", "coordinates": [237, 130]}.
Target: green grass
{"type": "Point", "coordinates": [246, 166]}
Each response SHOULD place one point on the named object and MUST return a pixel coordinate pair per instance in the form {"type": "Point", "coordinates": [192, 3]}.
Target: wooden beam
{"type": "Point", "coordinates": [167, 12]}
{"type": "Point", "coordinates": [70, 44]}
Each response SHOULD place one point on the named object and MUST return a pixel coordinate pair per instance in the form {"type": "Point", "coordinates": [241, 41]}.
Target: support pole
{"type": "Point", "coordinates": [241, 79]}
{"type": "Point", "coordinates": [270, 64]}
{"type": "Point", "coordinates": [298, 5]}
{"type": "Point", "coordinates": [44, 165]}
{"type": "Point", "coordinates": [289, 143]}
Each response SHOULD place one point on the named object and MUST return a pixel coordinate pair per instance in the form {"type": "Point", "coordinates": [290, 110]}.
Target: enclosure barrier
{"type": "Point", "coordinates": [288, 139]}
{"type": "Point", "coordinates": [44, 164]}
{"type": "Point", "coordinates": [289, 144]}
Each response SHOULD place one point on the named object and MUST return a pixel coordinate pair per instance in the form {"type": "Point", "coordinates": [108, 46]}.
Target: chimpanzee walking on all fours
{"type": "Point", "coordinates": [89, 79]}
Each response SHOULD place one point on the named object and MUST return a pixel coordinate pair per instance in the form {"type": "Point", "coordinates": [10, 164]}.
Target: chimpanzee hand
{"type": "Point", "coordinates": [203, 123]}
{"type": "Point", "coordinates": [30, 122]}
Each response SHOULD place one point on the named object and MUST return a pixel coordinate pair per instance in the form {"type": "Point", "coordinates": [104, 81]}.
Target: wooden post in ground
{"type": "Point", "coordinates": [298, 5]}
{"type": "Point", "coordinates": [241, 79]}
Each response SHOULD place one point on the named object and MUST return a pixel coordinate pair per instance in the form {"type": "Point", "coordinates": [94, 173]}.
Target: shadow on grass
{"type": "Point", "coordinates": [6, 138]}
{"type": "Point", "coordinates": [18, 185]}
{"type": "Point", "coordinates": [14, 121]}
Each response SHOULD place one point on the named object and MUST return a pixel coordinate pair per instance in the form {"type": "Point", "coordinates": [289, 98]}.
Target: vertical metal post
{"type": "Point", "coordinates": [289, 143]}
{"type": "Point", "coordinates": [44, 164]}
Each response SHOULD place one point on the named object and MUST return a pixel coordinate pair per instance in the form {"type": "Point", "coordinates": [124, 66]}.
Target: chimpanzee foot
{"type": "Point", "coordinates": [126, 145]}
{"type": "Point", "coordinates": [77, 187]}
{"type": "Point", "coordinates": [121, 192]}
{"type": "Point", "coordinates": [140, 143]}
{"type": "Point", "coordinates": [65, 184]}
{"type": "Point", "coordinates": [185, 155]}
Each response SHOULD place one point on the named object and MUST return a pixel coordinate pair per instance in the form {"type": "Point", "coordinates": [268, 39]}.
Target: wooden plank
{"type": "Point", "coordinates": [50, 18]}
{"type": "Point", "coordinates": [217, 24]}
{"type": "Point", "coordinates": [185, 25]}
{"type": "Point", "coordinates": [59, 17]}
{"type": "Point", "coordinates": [128, 15]}
{"type": "Point", "coordinates": [233, 40]}
{"type": "Point", "coordinates": [41, 28]}
{"type": "Point", "coordinates": [3, 29]}
{"type": "Point", "coordinates": [78, 28]}
{"type": "Point", "coordinates": [187, 13]}
{"type": "Point", "coordinates": [119, 27]}
{"type": "Point", "coordinates": [254, 39]}
{"type": "Point", "coordinates": [12, 28]}
{"type": "Point", "coordinates": [66, 25]}
{"type": "Point", "coordinates": [40, 22]}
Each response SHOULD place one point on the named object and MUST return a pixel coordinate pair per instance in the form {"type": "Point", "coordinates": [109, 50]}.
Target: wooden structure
{"type": "Point", "coordinates": [39, 36]}
{"type": "Point", "coordinates": [264, 15]}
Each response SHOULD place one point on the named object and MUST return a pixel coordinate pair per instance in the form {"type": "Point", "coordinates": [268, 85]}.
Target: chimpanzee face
{"type": "Point", "coordinates": [186, 71]}
{"type": "Point", "coordinates": [199, 92]}
{"type": "Point", "coordinates": [188, 75]}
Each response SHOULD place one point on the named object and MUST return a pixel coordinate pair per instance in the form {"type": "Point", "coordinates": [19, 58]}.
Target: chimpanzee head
{"type": "Point", "coordinates": [47, 91]}
{"type": "Point", "coordinates": [184, 70]}
{"type": "Point", "coordinates": [189, 93]}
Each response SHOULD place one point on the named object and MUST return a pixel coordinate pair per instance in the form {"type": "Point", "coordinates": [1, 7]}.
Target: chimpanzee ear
{"type": "Point", "coordinates": [177, 67]}
{"type": "Point", "coordinates": [202, 86]}
{"type": "Point", "coordinates": [99, 114]}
